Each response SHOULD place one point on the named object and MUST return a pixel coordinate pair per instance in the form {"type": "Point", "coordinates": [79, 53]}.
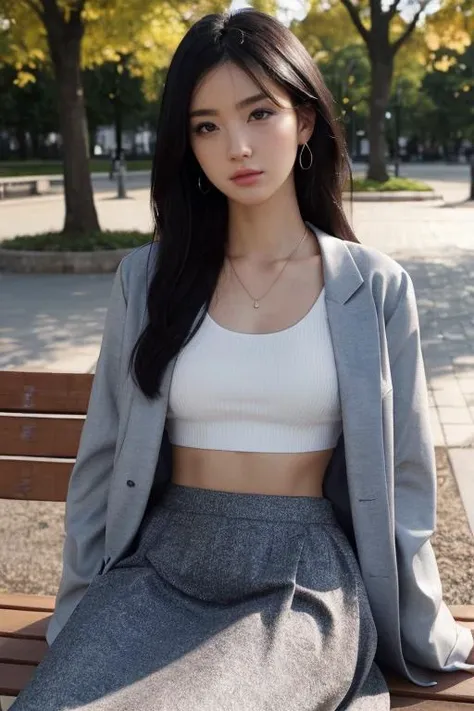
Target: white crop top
{"type": "Point", "coordinates": [257, 392]}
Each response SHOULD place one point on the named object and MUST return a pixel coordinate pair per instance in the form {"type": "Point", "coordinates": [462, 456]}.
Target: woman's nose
{"type": "Point", "coordinates": [239, 146]}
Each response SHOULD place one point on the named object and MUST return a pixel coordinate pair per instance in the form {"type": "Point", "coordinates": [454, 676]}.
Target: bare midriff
{"type": "Point", "coordinates": [280, 474]}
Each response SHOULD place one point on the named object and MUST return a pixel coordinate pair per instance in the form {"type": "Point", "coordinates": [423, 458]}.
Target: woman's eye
{"type": "Point", "coordinates": [258, 113]}
{"type": "Point", "coordinates": [199, 128]}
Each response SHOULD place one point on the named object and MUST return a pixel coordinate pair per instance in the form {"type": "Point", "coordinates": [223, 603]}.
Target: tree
{"type": "Point", "coordinates": [55, 29]}
{"type": "Point", "coordinates": [382, 48]}
{"type": "Point", "coordinates": [449, 88]}
{"type": "Point", "coordinates": [394, 45]}
{"type": "Point", "coordinates": [58, 28]}
{"type": "Point", "coordinates": [72, 34]}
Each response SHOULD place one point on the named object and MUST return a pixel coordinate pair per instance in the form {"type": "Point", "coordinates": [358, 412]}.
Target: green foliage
{"type": "Point", "coordinates": [91, 242]}
{"type": "Point", "coordinates": [390, 185]}
{"type": "Point", "coordinates": [450, 111]}
{"type": "Point", "coordinates": [433, 75]}
{"type": "Point", "coordinates": [31, 108]}
{"type": "Point", "coordinates": [145, 30]}
{"type": "Point", "coordinates": [438, 109]}
{"type": "Point", "coordinates": [326, 29]}
{"type": "Point", "coordinates": [347, 74]}
{"type": "Point", "coordinates": [111, 90]}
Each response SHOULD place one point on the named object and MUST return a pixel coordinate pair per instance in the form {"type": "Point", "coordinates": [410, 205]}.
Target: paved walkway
{"type": "Point", "coordinates": [55, 322]}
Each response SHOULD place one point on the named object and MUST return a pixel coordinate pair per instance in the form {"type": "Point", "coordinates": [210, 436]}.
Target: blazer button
{"type": "Point", "coordinates": [130, 483]}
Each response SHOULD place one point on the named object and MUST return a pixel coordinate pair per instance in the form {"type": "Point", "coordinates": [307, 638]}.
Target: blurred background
{"type": "Point", "coordinates": [80, 81]}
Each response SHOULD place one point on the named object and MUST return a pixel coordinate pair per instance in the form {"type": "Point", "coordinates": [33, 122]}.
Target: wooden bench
{"type": "Point", "coordinates": [41, 417]}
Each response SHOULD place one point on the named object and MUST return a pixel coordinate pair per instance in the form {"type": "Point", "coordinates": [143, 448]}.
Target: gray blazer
{"type": "Point", "coordinates": [381, 479]}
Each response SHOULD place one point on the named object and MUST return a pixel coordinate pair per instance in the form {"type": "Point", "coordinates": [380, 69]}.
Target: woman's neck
{"type": "Point", "coordinates": [266, 232]}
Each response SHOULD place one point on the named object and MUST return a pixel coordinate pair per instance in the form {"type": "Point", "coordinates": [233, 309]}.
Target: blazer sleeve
{"type": "Point", "coordinates": [431, 637]}
{"type": "Point", "coordinates": [86, 501]}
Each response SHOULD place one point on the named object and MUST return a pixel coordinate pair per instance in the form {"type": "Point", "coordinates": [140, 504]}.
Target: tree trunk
{"type": "Point", "coordinates": [64, 39]}
{"type": "Point", "coordinates": [381, 79]}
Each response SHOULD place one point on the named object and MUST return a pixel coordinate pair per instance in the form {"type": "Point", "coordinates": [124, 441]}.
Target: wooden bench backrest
{"type": "Point", "coordinates": [41, 419]}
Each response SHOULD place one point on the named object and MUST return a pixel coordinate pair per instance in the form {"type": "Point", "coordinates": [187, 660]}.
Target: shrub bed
{"type": "Point", "coordinates": [89, 242]}
{"type": "Point", "coordinates": [391, 185]}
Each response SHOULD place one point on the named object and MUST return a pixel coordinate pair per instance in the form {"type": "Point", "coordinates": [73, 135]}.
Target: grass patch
{"type": "Point", "coordinates": [14, 169]}
{"type": "Point", "coordinates": [91, 242]}
{"type": "Point", "coordinates": [391, 185]}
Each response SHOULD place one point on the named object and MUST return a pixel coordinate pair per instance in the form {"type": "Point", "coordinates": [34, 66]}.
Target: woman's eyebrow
{"type": "Point", "coordinates": [240, 105]}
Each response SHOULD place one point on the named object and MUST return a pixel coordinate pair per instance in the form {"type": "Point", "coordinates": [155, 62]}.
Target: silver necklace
{"type": "Point", "coordinates": [256, 302]}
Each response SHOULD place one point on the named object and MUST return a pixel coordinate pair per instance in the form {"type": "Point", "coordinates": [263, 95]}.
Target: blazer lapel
{"type": "Point", "coordinates": [353, 325]}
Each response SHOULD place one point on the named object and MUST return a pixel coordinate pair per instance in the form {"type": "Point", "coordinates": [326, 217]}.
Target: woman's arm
{"type": "Point", "coordinates": [431, 637]}
{"type": "Point", "coordinates": [86, 502]}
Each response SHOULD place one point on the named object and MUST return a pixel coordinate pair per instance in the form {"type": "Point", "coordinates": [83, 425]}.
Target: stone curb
{"type": "Point", "coordinates": [395, 196]}
{"type": "Point", "coordinates": [26, 262]}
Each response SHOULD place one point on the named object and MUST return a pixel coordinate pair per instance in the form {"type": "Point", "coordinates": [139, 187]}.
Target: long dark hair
{"type": "Point", "coordinates": [191, 226]}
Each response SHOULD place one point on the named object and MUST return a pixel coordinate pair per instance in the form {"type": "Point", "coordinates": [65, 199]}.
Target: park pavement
{"type": "Point", "coordinates": [55, 322]}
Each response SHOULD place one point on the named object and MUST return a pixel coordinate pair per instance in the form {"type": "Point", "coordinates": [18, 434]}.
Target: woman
{"type": "Point", "coordinates": [248, 519]}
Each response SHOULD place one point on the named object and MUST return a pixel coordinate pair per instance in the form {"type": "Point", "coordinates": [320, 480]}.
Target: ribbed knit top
{"type": "Point", "coordinates": [257, 392]}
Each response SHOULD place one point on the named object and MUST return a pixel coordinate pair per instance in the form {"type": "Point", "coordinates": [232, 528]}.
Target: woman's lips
{"type": "Point", "coordinates": [248, 179]}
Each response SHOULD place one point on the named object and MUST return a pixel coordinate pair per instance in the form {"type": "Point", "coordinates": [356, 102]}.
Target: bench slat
{"type": "Point", "coordinates": [27, 479]}
{"type": "Point", "coordinates": [39, 436]}
{"type": "Point", "coordinates": [463, 612]}
{"type": "Point", "coordinates": [24, 624]}
{"type": "Point", "coordinates": [22, 640]}
{"type": "Point", "coordinates": [455, 686]}
{"type": "Point", "coordinates": [401, 702]}
{"type": "Point", "coordinates": [21, 601]}
{"type": "Point", "coordinates": [57, 393]}
{"type": "Point", "coordinates": [14, 677]}
{"type": "Point", "coordinates": [21, 651]}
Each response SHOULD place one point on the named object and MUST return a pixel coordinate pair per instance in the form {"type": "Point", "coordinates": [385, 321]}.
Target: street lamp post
{"type": "Point", "coordinates": [118, 109]}
{"type": "Point", "coordinates": [121, 188]}
{"type": "Point", "coordinates": [353, 133]}
{"type": "Point", "coordinates": [471, 161]}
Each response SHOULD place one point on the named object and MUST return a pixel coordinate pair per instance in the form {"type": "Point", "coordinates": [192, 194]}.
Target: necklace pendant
{"type": "Point", "coordinates": [256, 305]}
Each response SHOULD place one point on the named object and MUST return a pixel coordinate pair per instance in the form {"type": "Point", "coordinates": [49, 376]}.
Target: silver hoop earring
{"type": "Point", "coordinates": [204, 192]}
{"type": "Point", "coordinates": [310, 158]}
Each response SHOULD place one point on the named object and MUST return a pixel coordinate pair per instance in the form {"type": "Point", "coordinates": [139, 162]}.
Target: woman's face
{"type": "Point", "coordinates": [234, 127]}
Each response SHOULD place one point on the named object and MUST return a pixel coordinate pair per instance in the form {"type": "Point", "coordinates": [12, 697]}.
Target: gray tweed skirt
{"type": "Point", "coordinates": [227, 602]}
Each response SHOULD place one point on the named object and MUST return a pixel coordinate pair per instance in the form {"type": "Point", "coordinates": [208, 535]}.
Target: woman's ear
{"type": "Point", "coordinates": [306, 122]}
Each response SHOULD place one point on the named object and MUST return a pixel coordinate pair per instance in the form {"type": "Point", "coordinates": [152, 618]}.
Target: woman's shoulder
{"type": "Point", "coordinates": [138, 266]}
{"type": "Point", "coordinates": [372, 261]}
{"type": "Point", "coordinates": [388, 280]}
